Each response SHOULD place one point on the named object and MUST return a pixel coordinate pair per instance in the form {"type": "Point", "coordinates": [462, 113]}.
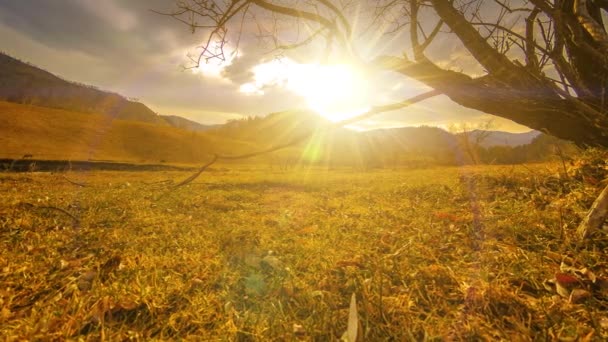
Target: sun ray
{"type": "Point", "coordinates": [334, 91]}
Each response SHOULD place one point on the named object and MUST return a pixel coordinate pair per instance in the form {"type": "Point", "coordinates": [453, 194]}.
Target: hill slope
{"type": "Point", "coordinates": [183, 123]}
{"type": "Point", "coordinates": [343, 146]}
{"type": "Point", "coordinates": [26, 84]}
{"type": "Point", "coordinates": [47, 133]}
{"type": "Point", "coordinates": [499, 138]}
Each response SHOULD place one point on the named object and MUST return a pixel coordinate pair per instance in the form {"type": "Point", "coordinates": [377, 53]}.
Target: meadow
{"type": "Point", "coordinates": [255, 254]}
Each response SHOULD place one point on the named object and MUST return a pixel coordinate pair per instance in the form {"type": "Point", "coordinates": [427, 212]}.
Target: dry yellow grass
{"type": "Point", "coordinates": [255, 254]}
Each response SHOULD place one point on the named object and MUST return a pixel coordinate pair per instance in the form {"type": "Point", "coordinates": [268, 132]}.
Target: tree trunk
{"type": "Point", "coordinates": [522, 98]}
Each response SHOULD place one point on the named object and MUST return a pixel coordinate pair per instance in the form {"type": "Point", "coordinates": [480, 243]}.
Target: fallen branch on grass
{"type": "Point", "coordinates": [82, 185]}
{"type": "Point", "coordinates": [75, 220]}
{"type": "Point", "coordinates": [194, 176]}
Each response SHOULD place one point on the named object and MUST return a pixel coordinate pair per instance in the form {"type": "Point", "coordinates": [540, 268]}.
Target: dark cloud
{"type": "Point", "coordinates": [240, 69]}
{"type": "Point", "coordinates": [119, 33]}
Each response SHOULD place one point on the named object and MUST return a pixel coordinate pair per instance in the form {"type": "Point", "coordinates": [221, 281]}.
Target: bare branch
{"type": "Point", "coordinates": [489, 58]}
{"type": "Point", "coordinates": [531, 59]}
{"type": "Point", "coordinates": [595, 30]}
{"type": "Point", "coordinates": [75, 220]}
{"type": "Point", "coordinates": [414, 30]}
{"type": "Point", "coordinates": [297, 13]}
{"type": "Point", "coordinates": [340, 16]}
{"type": "Point", "coordinates": [82, 185]}
{"type": "Point", "coordinates": [432, 36]}
{"type": "Point", "coordinates": [294, 141]}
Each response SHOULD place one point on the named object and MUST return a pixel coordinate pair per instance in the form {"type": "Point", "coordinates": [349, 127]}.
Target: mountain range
{"type": "Point", "coordinates": [44, 115]}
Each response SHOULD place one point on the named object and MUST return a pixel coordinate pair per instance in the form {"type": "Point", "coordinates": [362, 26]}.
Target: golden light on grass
{"type": "Point", "coordinates": [334, 91]}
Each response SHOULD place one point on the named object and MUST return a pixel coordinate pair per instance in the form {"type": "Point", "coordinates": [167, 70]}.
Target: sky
{"type": "Point", "coordinates": [124, 47]}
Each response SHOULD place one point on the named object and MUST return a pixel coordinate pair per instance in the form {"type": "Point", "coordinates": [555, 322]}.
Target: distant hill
{"type": "Point", "coordinates": [46, 133]}
{"type": "Point", "coordinates": [417, 145]}
{"type": "Point", "coordinates": [406, 146]}
{"type": "Point", "coordinates": [499, 138]}
{"type": "Point", "coordinates": [183, 123]}
{"type": "Point", "coordinates": [24, 83]}
{"type": "Point", "coordinates": [272, 128]}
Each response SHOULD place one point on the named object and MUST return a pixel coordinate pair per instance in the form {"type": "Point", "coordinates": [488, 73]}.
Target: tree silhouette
{"type": "Point", "coordinates": [541, 63]}
{"type": "Point", "coordinates": [544, 63]}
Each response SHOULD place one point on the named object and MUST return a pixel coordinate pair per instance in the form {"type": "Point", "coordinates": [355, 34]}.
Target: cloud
{"type": "Point", "coordinates": [241, 69]}
{"type": "Point", "coordinates": [110, 12]}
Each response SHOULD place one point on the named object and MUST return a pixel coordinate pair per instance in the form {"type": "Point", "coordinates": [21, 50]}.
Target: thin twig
{"type": "Point", "coordinates": [189, 179]}
{"type": "Point", "coordinates": [82, 185]}
{"type": "Point", "coordinates": [194, 176]}
{"type": "Point", "coordinates": [75, 220]}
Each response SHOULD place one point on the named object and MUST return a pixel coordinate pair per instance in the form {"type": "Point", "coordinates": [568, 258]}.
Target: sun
{"type": "Point", "coordinates": [334, 91]}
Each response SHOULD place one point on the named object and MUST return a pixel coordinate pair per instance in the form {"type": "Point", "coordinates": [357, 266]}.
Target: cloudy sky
{"type": "Point", "coordinates": [122, 46]}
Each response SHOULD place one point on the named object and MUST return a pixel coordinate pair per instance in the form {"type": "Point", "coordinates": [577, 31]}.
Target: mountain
{"type": "Point", "coordinates": [55, 134]}
{"type": "Point", "coordinates": [273, 128]}
{"type": "Point", "coordinates": [499, 138]}
{"type": "Point", "coordinates": [23, 83]}
{"type": "Point", "coordinates": [416, 145]}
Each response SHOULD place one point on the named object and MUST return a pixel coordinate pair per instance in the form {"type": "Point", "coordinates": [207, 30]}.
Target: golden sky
{"type": "Point", "coordinates": [124, 47]}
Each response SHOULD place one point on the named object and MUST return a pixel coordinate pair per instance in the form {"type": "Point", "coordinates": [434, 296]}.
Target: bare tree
{"type": "Point", "coordinates": [472, 137]}
{"type": "Point", "coordinates": [544, 63]}
{"type": "Point", "coordinates": [540, 63]}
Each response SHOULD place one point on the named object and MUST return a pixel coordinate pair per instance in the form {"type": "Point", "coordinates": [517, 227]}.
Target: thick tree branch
{"type": "Point", "coordinates": [489, 58]}
{"type": "Point", "coordinates": [343, 37]}
{"type": "Point", "coordinates": [340, 16]}
{"type": "Point", "coordinates": [531, 102]}
{"type": "Point", "coordinates": [595, 30]}
{"type": "Point", "coordinates": [531, 59]}
{"type": "Point", "coordinates": [432, 36]}
{"type": "Point", "coordinates": [417, 49]}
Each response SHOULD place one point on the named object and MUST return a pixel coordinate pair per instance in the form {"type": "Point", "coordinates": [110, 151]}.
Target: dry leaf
{"type": "Point", "coordinates": [298, 330]}
{"type": "Point", "coordinates": [578, 295]}
{"type": "Point", "coordinates": [109, 266]}
{"type": "Point", "coordinates": [565, 283]}
{"type": "Point", "coordinates": [350, 335]}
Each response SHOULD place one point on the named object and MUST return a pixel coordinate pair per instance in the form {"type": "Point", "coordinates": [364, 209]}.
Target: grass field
{"type": "Point", "coordinates": [255, 254]}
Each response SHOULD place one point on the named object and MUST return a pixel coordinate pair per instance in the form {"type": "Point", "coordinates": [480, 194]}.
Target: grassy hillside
{"type": "Point", "coordinates": [24, 83]}
{"type": "Point", "coordinates": [60, 134]}
{"type": "Point", "coordinates": [183, 123]}
{"type": "Point", "coordinates": [387, 147]}
{"type": "Point", "coordinates": [48, 133]}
